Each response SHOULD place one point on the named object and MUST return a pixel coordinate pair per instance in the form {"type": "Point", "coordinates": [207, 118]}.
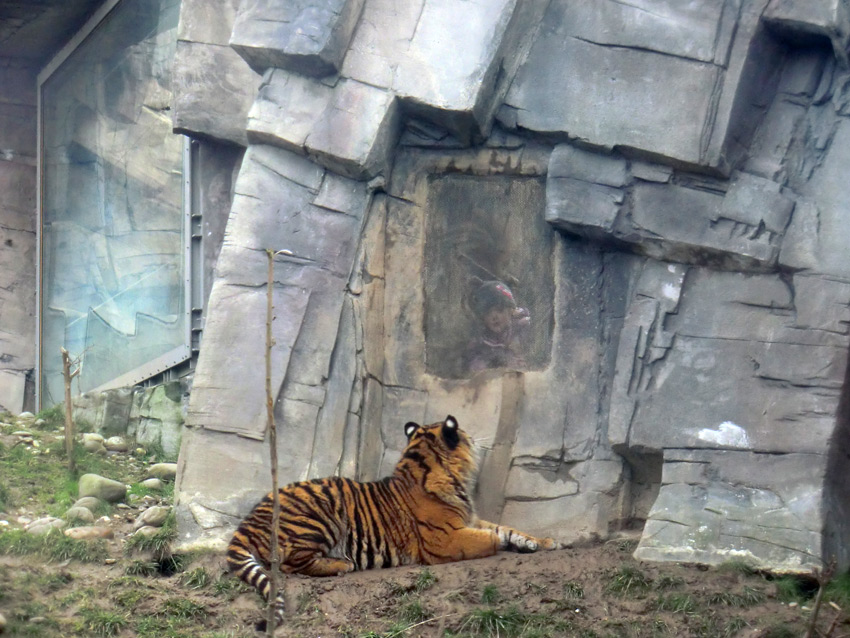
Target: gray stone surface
{"type": "Point", "coordinates": [307, 36]}
{"type": "Point", "coordinates": [618, 83]}
{"type": "Point", "coordinates": [759, 508]}
{"type": "Point", "coordinates": [304, 116]}
{"type": "Point", "coordinates": [213, 91]}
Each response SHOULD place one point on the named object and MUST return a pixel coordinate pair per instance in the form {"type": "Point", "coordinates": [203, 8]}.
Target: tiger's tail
{"type": "Point", "coordinates": [244, 564]}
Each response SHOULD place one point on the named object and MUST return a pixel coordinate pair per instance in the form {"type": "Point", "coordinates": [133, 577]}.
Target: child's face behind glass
{"type": "Point", "coordinates": [498, 320]}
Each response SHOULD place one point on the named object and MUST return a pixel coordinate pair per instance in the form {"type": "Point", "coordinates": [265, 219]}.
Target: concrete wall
{"type": "Point", "coordinates": [17, 234]}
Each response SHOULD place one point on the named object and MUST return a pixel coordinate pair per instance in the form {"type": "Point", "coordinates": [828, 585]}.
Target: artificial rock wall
{"type": "Point", "coordinates": [662, 186]}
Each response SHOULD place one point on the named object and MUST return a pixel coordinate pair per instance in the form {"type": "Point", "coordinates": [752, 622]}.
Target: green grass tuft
{"type": "Point", "coordinates": [51, 546]}
{"type": "Point", "coordinates": [628, 581]}
{"type": "Point", "coordinates": [100, 622]}
{"type": "Point", "coordinates": [490, 595]}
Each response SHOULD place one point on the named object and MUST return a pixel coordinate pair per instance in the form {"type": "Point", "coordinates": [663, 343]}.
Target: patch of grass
{"type": "Point", "coordinates": [490, 595]}
{"type": "Point", "coordinates": [677, 603]}
{"type": "Point", "coordinates": [158, 544]}
{"type": "Point", "coordinates": [129, 598]}
{"type": "Point", "coordinates": [141, 568]}
{"type": "Point", "coordinates": [493, 622]}
{"type": "Point", "coordinates": [181, 608]}
{"type": "Point", "coordinates": [734, 626]}
{"type": "Point", "coordinates": [197, 578]}
{"type": "Point", "coordinates": [669, 582]}
{"type": "Point", "coordinates": [52, 546]}
{"type": "Point", "coordinates": [573, 590]}
{"type": "Point", "coordinates": [425, 579]}
{"type": "Point", "coordinates": [628, 581]}
{"type": "Point", "coordinates": [746, 598]}
{"type": "Point", "coordinates": [413, 612]}
{"type": "Point", "coordinates": [53, 417]}
{"type": "Point", "coordinates": [229, 587]}
{"type": "Point", "coordinates": [100, 622]}
{"type": "Point", "coordinates": [838, 591]}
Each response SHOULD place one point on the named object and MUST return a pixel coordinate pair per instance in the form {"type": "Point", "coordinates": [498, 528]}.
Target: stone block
{"type": "Point", "coordinates": [304, 116]}
{"type": "Point", "coordinates": [573, 517]}
{"type": "Point", "coordinates": [716, 375]}
{"type": "Point", "coordinates": [666, 26]}
{"type": "Point", "coordinates": [620, 86]}
{"type": "Point", "coordinates": [829, 246]}
{"type": "Point", "coordinates": [596, 94]}
{"type": "Point", "coordinates": [309, 37]}
{"type": "Point", "coordinates": [529, 482]}
{"type": "Point", "coordinates": [213, 91]}
{"type": "Point", "coordinates": [812, 20]}
{"type": "Point", "coordinates": [12, 390]}
{"type": "Point", "coordinates": [693, 225]}
{"type": "Point", "coordinates": [221, 376]}
{"type": "Point", "coordinates": [371, 119]}
{"type": "Point", "coordinates": [583, 208]}
{"type": "Point", "coordinates": [764, 509]}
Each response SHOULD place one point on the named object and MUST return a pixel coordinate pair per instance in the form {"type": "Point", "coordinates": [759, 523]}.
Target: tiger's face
{"type": "Point", "coordinates": [446, 444]}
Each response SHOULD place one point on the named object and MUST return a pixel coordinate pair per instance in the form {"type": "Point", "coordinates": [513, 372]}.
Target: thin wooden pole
{"type": "Point", "coordinates": [69, 421]}
{"type": "Point", "coordinates": [274, 559]}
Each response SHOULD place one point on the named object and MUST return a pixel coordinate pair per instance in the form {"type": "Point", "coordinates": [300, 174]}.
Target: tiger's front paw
{"type": "Point", "coordinates": [549, 543]}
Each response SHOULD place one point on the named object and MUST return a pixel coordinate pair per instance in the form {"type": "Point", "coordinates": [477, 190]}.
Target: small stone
{"type": "Point", "coordinates": [153, 517]}
{"type": "Point", "coordinates": [89, 502]}
{"type": "Point", "coordinates": [102, 488]}
{"type": "Point", "coordinates": [93, 442]}
{"type": "Point", "coordinates": [110, 561]}
{"type": "Point", "coordinates": [2, 623]}
{"type": "Point", "coordinates": [42, 526]}
{"type": "Point", "coordinates": [37, 619]}
{"type": "Point", "coordinates": [146, 531]}
{"type": "Point", "coordinates": [115, 444]}
{"type": "Point", "coordinates": [123, 506]}
{"type": "Point", "coordinates": [39, 423]}
{"type": "Point", "coordinates": [26, 415]}
{"type": "Point", "coordinates": [103, 520]}
{"type": "Point", "coordinates": [152, 484]}
{"type": "Point", "coordinates": [22, 434]}
{"type": "Point", "coordinates": [139, 451]}
{"type": "Point", "coordinates": [89, 532]}
{"type": "Point", "coordinates": [82, 514]}
{"type": "Point", "coordinates": [163, 471]}
{"type": "Point", "coordinates": [4, 523]}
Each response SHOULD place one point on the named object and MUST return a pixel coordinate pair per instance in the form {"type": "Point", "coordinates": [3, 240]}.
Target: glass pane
{"type": "Point", "coordinates": [113, 256]}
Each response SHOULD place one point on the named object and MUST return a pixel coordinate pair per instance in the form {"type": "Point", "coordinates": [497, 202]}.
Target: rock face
{"type": "Point", "coordinates": [659, 190]}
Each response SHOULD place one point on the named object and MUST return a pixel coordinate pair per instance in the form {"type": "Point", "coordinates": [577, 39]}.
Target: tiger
{"type": "Point", "coordinates": [422, 514]}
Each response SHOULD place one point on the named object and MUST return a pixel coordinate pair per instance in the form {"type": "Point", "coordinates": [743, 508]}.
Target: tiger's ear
{"type": "Point", "coordinates": [450, 434]}
{"type": "Point", "coordinates": [410, 428]}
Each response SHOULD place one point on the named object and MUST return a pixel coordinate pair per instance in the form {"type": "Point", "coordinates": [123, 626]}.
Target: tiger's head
{"type": "Point", "coordinates": [441, 457]}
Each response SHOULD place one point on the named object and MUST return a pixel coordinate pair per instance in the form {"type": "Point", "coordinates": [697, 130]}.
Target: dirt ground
{"type": "Point", "coordinates": [597, 590]}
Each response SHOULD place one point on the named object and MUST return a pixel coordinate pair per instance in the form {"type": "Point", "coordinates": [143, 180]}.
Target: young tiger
{"type": "Point", "coordinates": [422, 514]}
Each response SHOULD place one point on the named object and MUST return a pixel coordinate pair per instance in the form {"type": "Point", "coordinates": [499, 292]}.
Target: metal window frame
{"type": "Point", "coordinates": [177, 355]}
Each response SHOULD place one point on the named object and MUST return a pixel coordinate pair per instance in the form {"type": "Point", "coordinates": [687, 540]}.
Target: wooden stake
{"type": "Point", "coordinates": [823, 577]}
{"type": "Point", "coordinates": [69, 421]}
{"type": "Point", "coordinates": [274, 559]}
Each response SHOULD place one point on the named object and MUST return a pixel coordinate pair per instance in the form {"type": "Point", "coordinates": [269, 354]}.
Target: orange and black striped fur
{"type": "Point", "coordinates": [422, 514]}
